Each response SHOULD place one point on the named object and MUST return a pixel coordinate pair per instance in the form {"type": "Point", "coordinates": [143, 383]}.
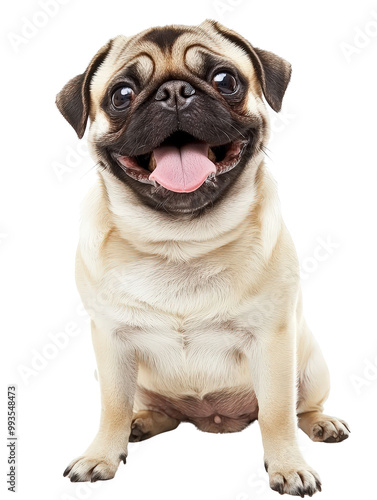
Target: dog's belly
{"type": "Point", "coordinates": [222, 411]}
{"type": "Point", "coordinates": [203, 378]}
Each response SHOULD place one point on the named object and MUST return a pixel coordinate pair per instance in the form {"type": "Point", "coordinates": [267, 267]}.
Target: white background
{"type": "Point", "coordinates": [323, 156]}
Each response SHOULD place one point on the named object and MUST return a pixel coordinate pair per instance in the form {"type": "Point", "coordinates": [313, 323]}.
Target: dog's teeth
{"type": "Point", "coordinates": [211, 155]}
{"type": "Point", "coordinates": [152, 163]}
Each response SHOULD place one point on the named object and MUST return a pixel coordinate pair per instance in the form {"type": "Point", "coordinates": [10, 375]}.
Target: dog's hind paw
{"type": "Point", "coordinates": [323, 428]}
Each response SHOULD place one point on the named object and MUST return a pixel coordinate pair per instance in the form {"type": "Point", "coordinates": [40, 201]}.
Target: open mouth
{"type": "Point", "coordinates": [182, 163]}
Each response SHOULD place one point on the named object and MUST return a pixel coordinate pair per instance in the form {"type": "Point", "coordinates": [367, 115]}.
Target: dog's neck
{"type": "Point", "coordinates": [185, 237]}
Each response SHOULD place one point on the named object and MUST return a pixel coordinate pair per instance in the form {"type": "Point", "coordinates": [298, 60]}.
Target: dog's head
{"type": "Point", "coordinates": [177, 112]}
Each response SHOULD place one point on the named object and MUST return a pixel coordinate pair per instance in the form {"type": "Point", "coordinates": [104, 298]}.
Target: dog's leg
{"type": "Point", "coordinates": [147, 423]}
{"type": "Point", "coordinates": [117, 377]}
{"type": "Point", "coordinates": [273, 369]}
{"type": "Point", "coordinates": [314, 389]}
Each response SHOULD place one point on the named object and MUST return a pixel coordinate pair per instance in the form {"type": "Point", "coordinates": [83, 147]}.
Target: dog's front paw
{"type": "Point", "coordinates": [93, 468]}
{"type": "Point", "coordinates": [298, 481]}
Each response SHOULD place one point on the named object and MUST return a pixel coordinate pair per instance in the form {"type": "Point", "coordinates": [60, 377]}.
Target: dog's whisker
{"type": "Point", "coordinates": [91, 169]}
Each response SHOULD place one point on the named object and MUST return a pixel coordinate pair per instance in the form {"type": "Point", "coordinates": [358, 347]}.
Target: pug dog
{"type": "Point", "coordinates": [184, 263]}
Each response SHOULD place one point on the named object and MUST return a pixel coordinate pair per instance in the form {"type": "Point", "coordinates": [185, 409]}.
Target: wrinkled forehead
{"type": "Point", "coordinates": [171, 51]}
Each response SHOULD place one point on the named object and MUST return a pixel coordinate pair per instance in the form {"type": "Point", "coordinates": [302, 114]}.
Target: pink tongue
{"type": "Point", "coordinates": [182, 169]}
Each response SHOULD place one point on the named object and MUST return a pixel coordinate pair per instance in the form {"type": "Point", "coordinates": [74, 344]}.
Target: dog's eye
{"type": "Point", "coordinates": [121, 98]}
{"type": "Point", "coordinates": [225, 83]}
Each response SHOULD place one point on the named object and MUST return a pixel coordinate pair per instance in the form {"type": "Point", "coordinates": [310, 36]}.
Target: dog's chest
{"type": "Point", "coordinates": [179, 290]}
{"type": "Point", "coordinates": [197, 357]}
{"type": "Point", "coordinates": [179, 317]}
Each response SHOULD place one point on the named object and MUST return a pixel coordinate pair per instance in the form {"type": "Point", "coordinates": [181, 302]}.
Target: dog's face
{"type": "Point", "coordinates": [177, 112]}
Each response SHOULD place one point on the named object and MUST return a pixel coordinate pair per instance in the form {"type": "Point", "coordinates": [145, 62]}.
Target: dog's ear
{"type": "Point", "coordinates": [74, 98]}
{"type": "Point", "coordinates": [273, 72]}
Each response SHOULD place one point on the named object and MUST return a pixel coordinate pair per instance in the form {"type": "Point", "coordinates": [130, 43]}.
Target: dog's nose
{"type": "Point", "coordinates": [175, 94]}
